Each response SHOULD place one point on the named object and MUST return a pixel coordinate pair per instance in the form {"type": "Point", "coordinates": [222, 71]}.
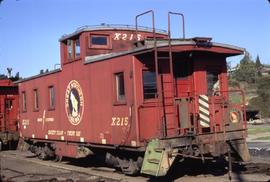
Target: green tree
{"type": "Point", "coordinates": [263, 87]}
{"type": "Point", "coordinates": [246, 70]}
{"type": "Point", "coordinates": [258, 66]}
{"type": "Point", "coordinates": [258, 62]}
{"type": "Point", "coordinates": [262, 102]}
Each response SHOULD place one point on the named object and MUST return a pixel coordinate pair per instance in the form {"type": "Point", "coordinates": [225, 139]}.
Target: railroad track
{"type": "Point", "coordinates": [18, 175]}
{"type": "Point", "coordinates": [251, 168]}
{"type": "Point", "coordinates": [72, 170]}
{"type": "Point", "coordinates": [67, 170]}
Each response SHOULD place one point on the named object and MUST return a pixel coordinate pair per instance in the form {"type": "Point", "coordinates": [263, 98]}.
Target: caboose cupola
{"type": "Point", "coordinates": [104, 39]}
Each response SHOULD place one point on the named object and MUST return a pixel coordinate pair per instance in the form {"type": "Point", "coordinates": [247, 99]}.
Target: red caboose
{"type": "Point", "coordinates": [9, 111]}
{"type": "Point", "coordinates": [136, 96]}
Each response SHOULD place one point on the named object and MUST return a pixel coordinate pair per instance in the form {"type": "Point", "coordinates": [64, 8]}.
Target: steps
{"type": "Point", "coordinates": [156, 159]}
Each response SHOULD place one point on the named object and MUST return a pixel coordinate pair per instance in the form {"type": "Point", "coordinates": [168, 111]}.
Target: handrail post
{"type": "Point", "coordinates": [155, 45]}
{"type": "Point", "coordinates": [158, 81]}
{"type": "Point", "coordinates": [169, 23]}
{"type": "Point", "coordinates": [153, 22]}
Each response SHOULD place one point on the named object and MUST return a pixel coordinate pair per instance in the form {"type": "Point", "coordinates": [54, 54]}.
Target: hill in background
{"type": "Point", "coordinates": [254, 78]}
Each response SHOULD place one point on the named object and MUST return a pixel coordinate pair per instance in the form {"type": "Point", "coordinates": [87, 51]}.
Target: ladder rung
{"type": "Point", "coordinates": [155, 161]}
{"type": "Point", "coordinates": [163, 57]}
{"type": "Point", "coordinates": [169, 112]}
{"type": "Point", "coordinates": [159, 150]}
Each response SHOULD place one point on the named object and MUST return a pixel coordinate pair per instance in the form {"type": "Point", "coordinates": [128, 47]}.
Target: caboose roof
{"type": "Point", "coordinates": [148, 44]}
{"type": "Point", "coordinates": [110, 27]}
{"type": "Point", "coordinates": [39, 75]}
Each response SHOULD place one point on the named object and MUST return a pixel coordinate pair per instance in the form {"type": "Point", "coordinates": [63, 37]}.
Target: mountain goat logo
{"type": "Point", "coordinates": [74, 102]}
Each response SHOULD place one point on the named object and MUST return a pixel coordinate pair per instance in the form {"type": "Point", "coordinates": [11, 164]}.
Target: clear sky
{"type": "Point", "coordinates": [30, 29]}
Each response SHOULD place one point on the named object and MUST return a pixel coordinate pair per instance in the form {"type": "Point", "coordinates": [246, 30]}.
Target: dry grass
{"type": "Point", "coordinates": [259, 129]}
{"type": "Point", "coordinates": [262, 138]}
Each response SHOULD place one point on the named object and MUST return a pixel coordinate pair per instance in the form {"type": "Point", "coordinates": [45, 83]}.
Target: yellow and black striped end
{"type": "Point", "coordinates": [204, 111]}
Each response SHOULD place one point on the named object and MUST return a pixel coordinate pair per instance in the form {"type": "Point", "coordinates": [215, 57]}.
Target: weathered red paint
{"type": "Point", "coordinates": [104, 120]}
{"type": "Point", "coordinates": [9, 104]}
{"type": "Point", "coordinates": [9, 114]}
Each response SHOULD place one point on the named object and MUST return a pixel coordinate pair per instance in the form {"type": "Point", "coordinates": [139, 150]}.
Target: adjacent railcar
{"type": "Point", "coordinates": [136, 96]}
{"type": "Point", "coordinates": [9, 112]}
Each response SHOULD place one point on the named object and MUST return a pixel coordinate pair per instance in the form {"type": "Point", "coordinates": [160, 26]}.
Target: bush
{"type": "Point", "coordinates": [262, 102]}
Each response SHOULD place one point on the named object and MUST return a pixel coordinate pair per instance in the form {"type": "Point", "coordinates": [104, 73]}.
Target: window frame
{"type": "Point", "coordinates": [143, 85]}
{"type": "Point", "coordinates": [36, 99]}
{"type": "Point", "coordinates": [52, 102]}
{"type": "Point", "coordinates": [216, 73]}
{"type": "Point", "coordinates": [96, 46]}
{"type": "Point", "coordinates": [75, 48]}
{"type": "Point", "coordinates": [73, 45]}
{"type": "Point", "coordinates": [70, 58]}
{"type": "Point", "coordinates": [24, 101]}
{"type": "Point", "coordinates": [120, 86]}
{"type": "Point", "coordinates": [9, 104]}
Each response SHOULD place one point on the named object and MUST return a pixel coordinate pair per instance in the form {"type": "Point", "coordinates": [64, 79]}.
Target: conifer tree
{"type": "Point", "coordinates": [247, 70]}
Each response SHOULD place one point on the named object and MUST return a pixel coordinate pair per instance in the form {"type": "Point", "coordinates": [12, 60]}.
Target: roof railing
{"type": "Point", "coordinates": [169, 22]}
{"type": "Point", "coordinates": [103, 25]}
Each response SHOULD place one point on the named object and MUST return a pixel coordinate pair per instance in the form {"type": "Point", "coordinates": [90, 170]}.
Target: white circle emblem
{"type": "Point", "coordinates": [74, 102]}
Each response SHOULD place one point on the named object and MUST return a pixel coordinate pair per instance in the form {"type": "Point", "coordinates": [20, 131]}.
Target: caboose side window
{"type": "Point", "coordinates": [149, 85]}
{"type": "Point", "coordinates": [212, 82]}
{"type": "Point", "coordinates": [9, 104]}
{"type": "Point", "coordinates": [24, 108]}
{"type": "Point", "coordinates": [120, 87]}
{"type": "Point", "coordinates": [77, 48]}
{"type": "Point", "coordinates": [73, 49]}
{"type": "Point", "coordinates": [99, 41]}
{"type": "Point", "coordinates": [36, 104]}
{"type": "Point", "coordinates": [70, 49]}
{"type": "Point", "coordinates": [51, 97]}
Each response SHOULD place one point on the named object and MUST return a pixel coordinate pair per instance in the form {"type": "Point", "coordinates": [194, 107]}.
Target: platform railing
{"type": "Point", "coordinates": [217, 123]}
{"type": "Point", "coordinates": [238, 103]}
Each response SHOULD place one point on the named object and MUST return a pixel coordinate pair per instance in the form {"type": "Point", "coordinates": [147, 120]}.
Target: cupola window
{"type": "Point", "coordinates": [73, 49]}
{"type": "Point", "coordinates": [99, 41]}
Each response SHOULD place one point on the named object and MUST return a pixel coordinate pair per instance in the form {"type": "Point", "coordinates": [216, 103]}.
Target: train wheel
{"type": "Point", "coordinates": [42, 156]}
{"type": "Point", "coordinates": [58, 158]}
{"type": "Point", "coordinates": [129, 167]}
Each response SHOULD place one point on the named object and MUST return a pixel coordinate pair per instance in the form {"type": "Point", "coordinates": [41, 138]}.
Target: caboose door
{"type": "Point", "coordinates": [8, 108]}
{"type": "Point", "coordinates": [10, 114]}
{"type": "Point", "coordinates": [183, 71]}
{"type": "Point", "coordinates": [6, 114]}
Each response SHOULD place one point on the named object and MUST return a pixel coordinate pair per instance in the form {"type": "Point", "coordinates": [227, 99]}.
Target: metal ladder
{"type": "Point", "coordinates": [158, 56]}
